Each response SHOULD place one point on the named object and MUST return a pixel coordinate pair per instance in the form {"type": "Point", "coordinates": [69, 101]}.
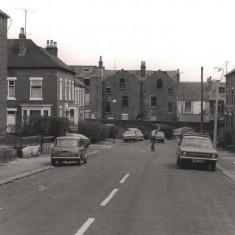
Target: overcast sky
{"type": "Point", "coordinates": [166, 34]}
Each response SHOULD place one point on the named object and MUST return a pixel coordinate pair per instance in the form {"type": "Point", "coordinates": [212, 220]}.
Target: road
{"type": "Point", "coordinates": [124, 189]}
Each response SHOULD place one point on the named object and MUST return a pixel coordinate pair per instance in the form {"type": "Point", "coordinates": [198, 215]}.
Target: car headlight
{"type": "Point", "coordinates": [213, 155]}
{"type": "Point", "coordinates": [184, 153]}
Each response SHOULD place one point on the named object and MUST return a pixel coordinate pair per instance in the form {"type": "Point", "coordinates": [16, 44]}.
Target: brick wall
{"type": "Point", "coordinates": [3, 73]}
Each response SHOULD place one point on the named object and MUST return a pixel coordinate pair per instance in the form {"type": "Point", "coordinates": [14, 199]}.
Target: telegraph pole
{"type": "Point", "coordinates": [201, 98]}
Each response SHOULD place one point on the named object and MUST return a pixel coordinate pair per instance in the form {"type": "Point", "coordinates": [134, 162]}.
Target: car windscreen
{"type": "Point", "coordinates": [197, 143]}
{"type": "Point", "coordinates": [66, 142]}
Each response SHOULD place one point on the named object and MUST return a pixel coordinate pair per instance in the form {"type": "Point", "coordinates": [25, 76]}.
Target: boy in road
{"type": "Point", "coordinates": [153, 135]}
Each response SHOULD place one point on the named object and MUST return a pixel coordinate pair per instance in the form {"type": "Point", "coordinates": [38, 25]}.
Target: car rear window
{"type": "Point", "coordinates": [196, 142]}
{"type": "Point", "coordinates": [66, 142]}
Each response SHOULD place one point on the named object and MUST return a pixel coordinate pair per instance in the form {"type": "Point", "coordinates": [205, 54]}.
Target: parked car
{"type": "Point", "coordinates": [86, 140]}
{"type": "Point", "coordinates": [159, 136]}
{"type": "Point", "coordinates": [196, 149]}
{"type": "Point", "coordinates": [68, 148]}
{"type": "Point", "coordinates": [129, 136]}
{"type": "Point", "coordinates": [138, 133]}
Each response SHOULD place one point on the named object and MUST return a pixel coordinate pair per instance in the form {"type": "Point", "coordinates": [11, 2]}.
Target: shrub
{"type": "Point", "coordinates": [224, 137]}
{"type": "Point", "coordinates": [168, 131]}
{"type": "Point", "coordinates": [93, 130]}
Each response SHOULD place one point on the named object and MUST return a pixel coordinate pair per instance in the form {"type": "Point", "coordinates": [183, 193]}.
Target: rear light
{"type": "Point", "coordinates": [213, 155]}
{"type": "Point", "coordinates": [184, 153]}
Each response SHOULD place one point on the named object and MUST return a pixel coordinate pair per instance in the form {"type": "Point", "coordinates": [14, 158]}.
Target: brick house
{"type": "Point", "coordinates": [3, 71]}
{"type": "Point", "coordinates": [141, 94]}
{"type": "Point", "coordinates": [230, 101]}
{"type": "Point", "coordinates": [39, 83]}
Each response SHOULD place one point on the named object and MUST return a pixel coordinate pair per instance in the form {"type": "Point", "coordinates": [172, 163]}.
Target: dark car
{"type": "Point", "coordinates": [129, 136]}
{"type": "Point", "coordinates": [196, 149]}
{"type": "Point", "coordinates": [68, 148]}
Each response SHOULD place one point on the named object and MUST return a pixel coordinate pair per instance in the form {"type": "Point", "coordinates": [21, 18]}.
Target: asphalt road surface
{"type": "Point", "coordinates": [123, 189]}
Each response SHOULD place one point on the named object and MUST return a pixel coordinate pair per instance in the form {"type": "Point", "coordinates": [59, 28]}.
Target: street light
{"type": "Point", "coordinates": [114, 101]}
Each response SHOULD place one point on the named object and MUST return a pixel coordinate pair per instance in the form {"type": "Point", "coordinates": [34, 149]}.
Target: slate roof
{"type": "Point", "coordinates": [4, 15]}
{"type": "Point", "coordinates": [35, 57]}
{"type": "Point", "coordinates": [191, 91]}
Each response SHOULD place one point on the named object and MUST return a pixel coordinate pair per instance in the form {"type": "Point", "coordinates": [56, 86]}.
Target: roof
{"type": "Point", "coordinates": [3, 14]}
{"type": "Point", "coordinates": [231, 72]}
{"type": "Point", "coordinates": [68, 137]}
{"type": "Point", "coordinates": [79, 82]}
{"type": "Point", "coordinates": [191, 91]}
{"type": "Point", "coordinates": [35, 57]}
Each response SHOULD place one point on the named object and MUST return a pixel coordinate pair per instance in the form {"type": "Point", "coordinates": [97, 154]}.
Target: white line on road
{"type": "Point", "coordinates": [85, 226]}
{"type": "Point", "coordinates": [106, 200]}
{"type": "Point", "coordinates": [124, 178]}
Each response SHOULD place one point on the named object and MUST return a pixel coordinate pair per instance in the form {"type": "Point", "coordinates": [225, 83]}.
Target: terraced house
{"type": "Point", "coordinates": [3, 71]}
{"type": "Point", "coordinates": [39, 83]}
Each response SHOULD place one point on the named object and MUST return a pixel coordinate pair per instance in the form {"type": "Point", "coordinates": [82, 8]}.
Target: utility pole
{"type": "Point", "coordinates": [201, 99]}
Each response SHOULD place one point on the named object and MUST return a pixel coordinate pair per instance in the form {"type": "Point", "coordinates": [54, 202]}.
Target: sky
{"type": "Point", "coordinates": [166, 34]}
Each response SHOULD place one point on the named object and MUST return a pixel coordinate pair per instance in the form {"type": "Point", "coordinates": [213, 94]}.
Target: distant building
{"type": "Point", "coordinates": [189, 102]}
{"type": "Point", "coordinates": [39, 83]}
{"type": "Point", "coordinates": [3, 71]}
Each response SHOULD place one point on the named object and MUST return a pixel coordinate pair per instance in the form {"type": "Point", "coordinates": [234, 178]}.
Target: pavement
{"type": "Point", "coordinates": [21, 168]}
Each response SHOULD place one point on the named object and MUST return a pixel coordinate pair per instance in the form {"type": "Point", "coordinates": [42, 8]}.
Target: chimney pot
{"type": "Point", "coordinates": [51, 43]}
{"type": "Point", "coordinates": [55, 44]}
{"type": "Point", "coordinates": [48, 43]}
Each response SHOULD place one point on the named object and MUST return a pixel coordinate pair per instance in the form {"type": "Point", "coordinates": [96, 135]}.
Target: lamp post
{"type": "Point", "coordinates": [114, 101]}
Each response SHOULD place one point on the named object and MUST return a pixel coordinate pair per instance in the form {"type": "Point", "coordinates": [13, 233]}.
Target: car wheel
{"type": "Point", "coordinates": [181, 163]}
{"type": "Point", "coordinates": [162, 141]}
{"type": "Point", "coordinates": [52, 162]}
{"type": "Point", "coordinates": [79, 161]}
{"type": "Point", "coordinates": [213, 166]}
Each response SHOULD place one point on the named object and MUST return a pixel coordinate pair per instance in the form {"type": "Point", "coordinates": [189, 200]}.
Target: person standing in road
{"type": "Point", "coordinates": [153, 135]}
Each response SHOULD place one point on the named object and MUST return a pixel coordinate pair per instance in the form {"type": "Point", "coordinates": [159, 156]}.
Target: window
{"type": "Point", "coordinates": [125, 101]}
{"type": "Point", "coordinates": [72, 90]}
{"type": "Point", "coordinates": [124, 116]}
{"type": "Point", "coordinates": [170, 107]}
{"type": "Point", "coordinates": [153, 101]}
{"type": "Point", "coordinates": [65, 90]}
{"type": "Point", "coordinates": [11, 88]}
{"type": "Point", "coordinates": [36, 88]}
{"type": "Point", "coordinates": [122, 83]}
{"type": "Point", "coordinates": [221, 89]}
{"type": "Point", "coordinates": [45, 113]}
{"type": "Point", "coordinates": [61, 89]}
{"type": "Point", "coordinates": [170, 91]}
{"type": "Point", "coordinates": [159, 84]}
{"type": "Point", "coordinates": [108, 90]}
{"type": "Point", "coordinates": [107, 107]}
{"type": "Point", "coordinates": [188, 108]}
{"type": "Point", "coordinates": [87, 82]}
{"type": "Point", "coordinates": [71, 116]}
{"type": "Point", "coordinates": [69, 90]}
{"type": "Point", "coordinates": [87, 98]}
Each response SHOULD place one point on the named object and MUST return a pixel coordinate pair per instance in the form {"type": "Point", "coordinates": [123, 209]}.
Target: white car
{"type": "Point", "coordinates": [138, 132]}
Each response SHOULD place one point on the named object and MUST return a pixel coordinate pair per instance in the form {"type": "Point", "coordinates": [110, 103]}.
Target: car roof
{"type": "Point", "coordinates": [195, 137]}
{"type": "Point", "coordinates": [69, 137]}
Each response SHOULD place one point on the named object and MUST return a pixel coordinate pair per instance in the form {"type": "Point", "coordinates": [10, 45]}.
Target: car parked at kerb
{"type": "Point", "coordinates": [196, 149]}
{"type": "Point", "coordinates": [68, 149]}
{"type": "Point", "coordinates": [159, 136]}
{"type": "Point", "coordinates": [129, 136]}
{"type": "Point", "coordinates": [138, 132]}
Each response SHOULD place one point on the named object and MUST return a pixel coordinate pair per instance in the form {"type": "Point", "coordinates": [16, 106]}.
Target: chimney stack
{"type": "Point", "coordinates": [143, 69]}
{"type": "Point", "coordinates": [178, 75]}
{"type": "Point", "coordinates": [22, 42]}
{"type": "Point", "coordinates": [100, 63]}
{"type": "Point", "coordinates": [52, 47]}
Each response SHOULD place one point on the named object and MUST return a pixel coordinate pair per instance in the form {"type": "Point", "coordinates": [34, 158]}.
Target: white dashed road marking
{"type": "Point", "coordinates": [106, 201]}
{"type": "Point", "coordinates": [124, 178]}
{"type": "Point", "coordinates": [85, 226]}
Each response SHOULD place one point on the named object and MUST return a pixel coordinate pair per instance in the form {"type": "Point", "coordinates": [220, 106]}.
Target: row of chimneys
{"type": "Point", "coordinates": [51, 46]}
{"type": "Point", "coordinates": [53, 50]}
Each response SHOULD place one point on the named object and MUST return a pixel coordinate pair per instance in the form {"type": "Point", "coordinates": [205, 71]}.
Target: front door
{"type": "Point", "coordinates": [11, 121]}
